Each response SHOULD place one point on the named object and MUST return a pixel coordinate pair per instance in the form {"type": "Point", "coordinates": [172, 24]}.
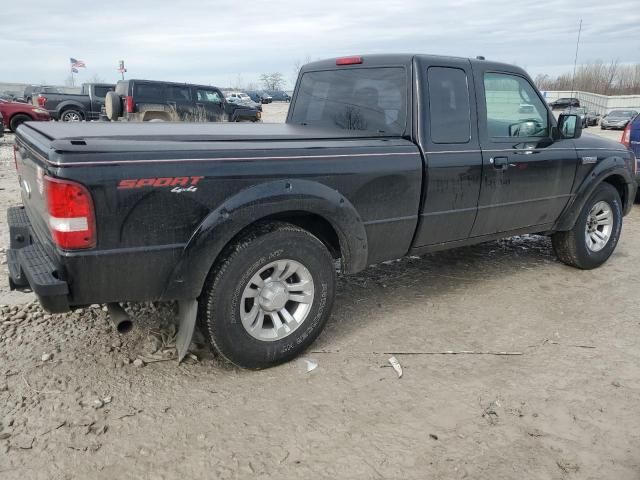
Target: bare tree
{"type": "Point", "coordinates": [596, 77]}
{"type": "Point", "coordinates": [297, 65]}
{"type": "Point", "coordinates": [272, 81]}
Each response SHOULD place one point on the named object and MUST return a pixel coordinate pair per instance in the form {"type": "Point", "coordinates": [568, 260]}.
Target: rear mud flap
{"type": "Point", "coordinates": [187, 313]}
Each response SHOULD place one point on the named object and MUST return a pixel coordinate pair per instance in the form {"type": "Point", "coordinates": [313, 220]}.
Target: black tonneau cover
{"type": "Point", "coordinates": [68, 144]}
{"type": "Point", "coordinates": [61, 134]}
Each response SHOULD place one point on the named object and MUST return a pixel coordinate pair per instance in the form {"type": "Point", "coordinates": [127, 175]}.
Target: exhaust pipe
{"type": "Point", "coordinates": [119, 318]}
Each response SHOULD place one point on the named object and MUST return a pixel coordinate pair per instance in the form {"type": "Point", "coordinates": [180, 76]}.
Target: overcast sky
{"type": "Point", "coordinates": [215, 42]}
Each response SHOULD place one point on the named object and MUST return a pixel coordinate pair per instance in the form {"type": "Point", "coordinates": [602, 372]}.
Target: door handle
{"type": "Point", "coordinates": [499, 163]}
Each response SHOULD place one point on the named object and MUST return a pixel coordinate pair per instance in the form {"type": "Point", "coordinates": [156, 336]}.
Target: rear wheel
{"type": "Point", "coordinates": [16, 120]}
{"type": "Point", "coordinates": [71, 116]}
{"type": "Point", "coordinates": [270, 297]}
{"type": "Point", "coordinates": [595, 235]}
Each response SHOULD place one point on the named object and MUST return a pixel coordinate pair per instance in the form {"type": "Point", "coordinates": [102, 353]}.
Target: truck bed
{"type": "Point", "coordinates": [369, 184]}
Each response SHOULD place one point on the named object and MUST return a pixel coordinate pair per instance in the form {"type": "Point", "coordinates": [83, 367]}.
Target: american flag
{"type": "Point", "coordinates": [75, 64]}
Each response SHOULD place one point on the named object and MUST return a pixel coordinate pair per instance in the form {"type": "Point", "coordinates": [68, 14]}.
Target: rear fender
{"type": "Point", "coordinates": [70, 105]}
{"type": "Point", "coordinates": [614, 166]}
{"type": "Point", "coordinates": [254, 204]}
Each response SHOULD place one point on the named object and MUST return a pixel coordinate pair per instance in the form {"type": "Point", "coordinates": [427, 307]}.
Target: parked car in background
{"type": "Point", "coordinates": [631, 139]}
{"type": "Point", "coordinates": [150, 100]}
{"type": "Point", "coordinates": [1, 125]}
{"type": "Point", "coordinates": [15, 113]}
{"type": "Point", "coordinates": [32, 91]}
{"type": "Point", "coordinates": [75, 107]}
{"type": "Point", "coordinates": [592, 118]}
{"type": "Point", "coordinates": [563, 103]}
{"type": "Point", "coordinates": [580, 111]}
{"type": "Point", "coordinates": [279, 96]}
{"type": "Point", "coordinates": [11, 97]}
{"type": "Point", "coordinates": [242, 98]}
{"type": "Point", "coordinates": [617, 119]}
{"type": "Point", "coordinates": [260, 96]}
{"type": "Point", "coordinates": [265, 97]}
{"type": "Point", "coordinates": [254, 95]}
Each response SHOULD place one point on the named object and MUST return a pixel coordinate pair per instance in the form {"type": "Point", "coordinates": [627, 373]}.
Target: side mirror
{"type": "Point", "coordinates": [569, 125]}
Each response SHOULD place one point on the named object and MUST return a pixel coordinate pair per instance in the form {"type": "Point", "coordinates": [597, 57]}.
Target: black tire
{"type": "Point", "coordinates": [221, 299]}
{"type": "Point", "coordinates": [571, 246]}
{"type": "Point", "coordinates": [71, 115]}
{"type": "Point", "coordinates": [16, 120]}
{"type": "Point", "coordinates": [113, 105]}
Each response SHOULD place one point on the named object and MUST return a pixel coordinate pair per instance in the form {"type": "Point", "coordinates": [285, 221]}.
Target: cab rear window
{"type": "Point", "coordinates": [370, 99]}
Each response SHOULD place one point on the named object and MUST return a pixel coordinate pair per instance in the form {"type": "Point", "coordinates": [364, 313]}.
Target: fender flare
{"type": "Point", "coordinates": [71, 104]}
{"type": "Point", "coordinates": [609, 167]}
{"type": "Point", "coordinates": [251, 205]}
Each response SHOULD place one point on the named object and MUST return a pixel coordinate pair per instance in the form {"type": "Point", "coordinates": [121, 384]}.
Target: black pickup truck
{"type": "Point", "coordinates": [243, 225]}
{"type": "Point", "coordinates": [75, 107]}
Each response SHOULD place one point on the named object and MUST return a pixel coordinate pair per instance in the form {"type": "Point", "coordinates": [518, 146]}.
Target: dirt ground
{"type": "Point", "coordinates": [565, 405]}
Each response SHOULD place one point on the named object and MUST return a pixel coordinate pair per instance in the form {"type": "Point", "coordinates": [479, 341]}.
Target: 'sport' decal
{"type": "Point", "coordinates": [177, 184]}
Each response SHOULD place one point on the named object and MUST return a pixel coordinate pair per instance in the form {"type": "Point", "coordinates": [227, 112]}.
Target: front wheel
{"type": "Point", "coordinates": [270, 297]}
{"type": "Point", "coordinates": [18, 120]}
{"type": "Point", "coordinates": [595, 235]}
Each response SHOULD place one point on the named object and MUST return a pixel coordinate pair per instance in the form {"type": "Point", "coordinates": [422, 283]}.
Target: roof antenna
{"type": "Point", "coordinates": [480, 57]}
{"type": "Point", "coordinates": [575, 60]}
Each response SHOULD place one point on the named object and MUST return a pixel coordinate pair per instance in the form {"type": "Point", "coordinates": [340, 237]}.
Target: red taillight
{"type": "Point", "coordinates": [71, 217]}
{"type": "Point", "coordinates": [349, 61]}
{"type": "Point", "coordinates": [626, 136]}
{"type": "Point", "coordinates": [129, 104]}
{"type": "Point", "coordinates": [42, 100]}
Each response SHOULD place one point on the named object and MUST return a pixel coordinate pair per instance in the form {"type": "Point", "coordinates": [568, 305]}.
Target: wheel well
{"type": "Point", "coordinates": [149, 115]}
{"type": "Point", "coordinates": [620, 185]}
{"type": "Point", "coordinates": [72, 107]}
{"type": "Point", "coordinates": [314, 224]}
{"type": "Point", "coordinates": [18, 114]}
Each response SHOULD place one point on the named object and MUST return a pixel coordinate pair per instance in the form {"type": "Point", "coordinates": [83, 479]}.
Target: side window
{"type": "Point", "coordinates": [101, 92]}
{"type": "Point", "coordinates": [179, 93]}
{"type": "Point", "coordinates": [449, 111]}
{"type": "Point", "coordinates": [208, 96]}
{"type": "Point", "coordinates": [149, 91]}
{"type": "Point", "coordinates": [513, 107]}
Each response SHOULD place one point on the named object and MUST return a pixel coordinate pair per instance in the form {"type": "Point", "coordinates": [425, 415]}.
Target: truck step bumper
{"type": "Point", "coordinates": [30, 267]}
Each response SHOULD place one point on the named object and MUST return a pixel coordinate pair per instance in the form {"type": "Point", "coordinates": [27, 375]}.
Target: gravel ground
{"type": "Point", "coordinates": [79, 401]}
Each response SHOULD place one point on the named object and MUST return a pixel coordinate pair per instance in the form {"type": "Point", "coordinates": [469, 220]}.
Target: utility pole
{"type": "Point", "coordinates": [575, 60]}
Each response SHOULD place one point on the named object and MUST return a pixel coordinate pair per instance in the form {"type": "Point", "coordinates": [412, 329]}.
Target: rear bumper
{"type": "Point", "coordinates": [30, 267]}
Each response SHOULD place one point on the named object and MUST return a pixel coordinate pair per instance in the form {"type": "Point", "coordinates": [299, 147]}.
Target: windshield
{"type": "Point", "coordinates": [372, 99]}
{"type": "Point", "coordinates": [622, 113]}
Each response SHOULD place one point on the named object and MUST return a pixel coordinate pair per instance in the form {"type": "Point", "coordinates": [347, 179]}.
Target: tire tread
{"type": "Point", "coordinates": [228, 255]}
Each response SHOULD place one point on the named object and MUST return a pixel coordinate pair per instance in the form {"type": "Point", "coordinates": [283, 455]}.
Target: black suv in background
{"type": "Point", "coordinates": [563, 103]}
{"type": "Point", "coordinates": [148, 100]}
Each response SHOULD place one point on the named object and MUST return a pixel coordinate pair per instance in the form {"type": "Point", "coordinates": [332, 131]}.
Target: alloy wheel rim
{"type": "Point", "coordinates": [71, 117]}
{"type": "Point", "coordinates": [599, 226]}
{"type": "Point", "coordinates": [277, 300]}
